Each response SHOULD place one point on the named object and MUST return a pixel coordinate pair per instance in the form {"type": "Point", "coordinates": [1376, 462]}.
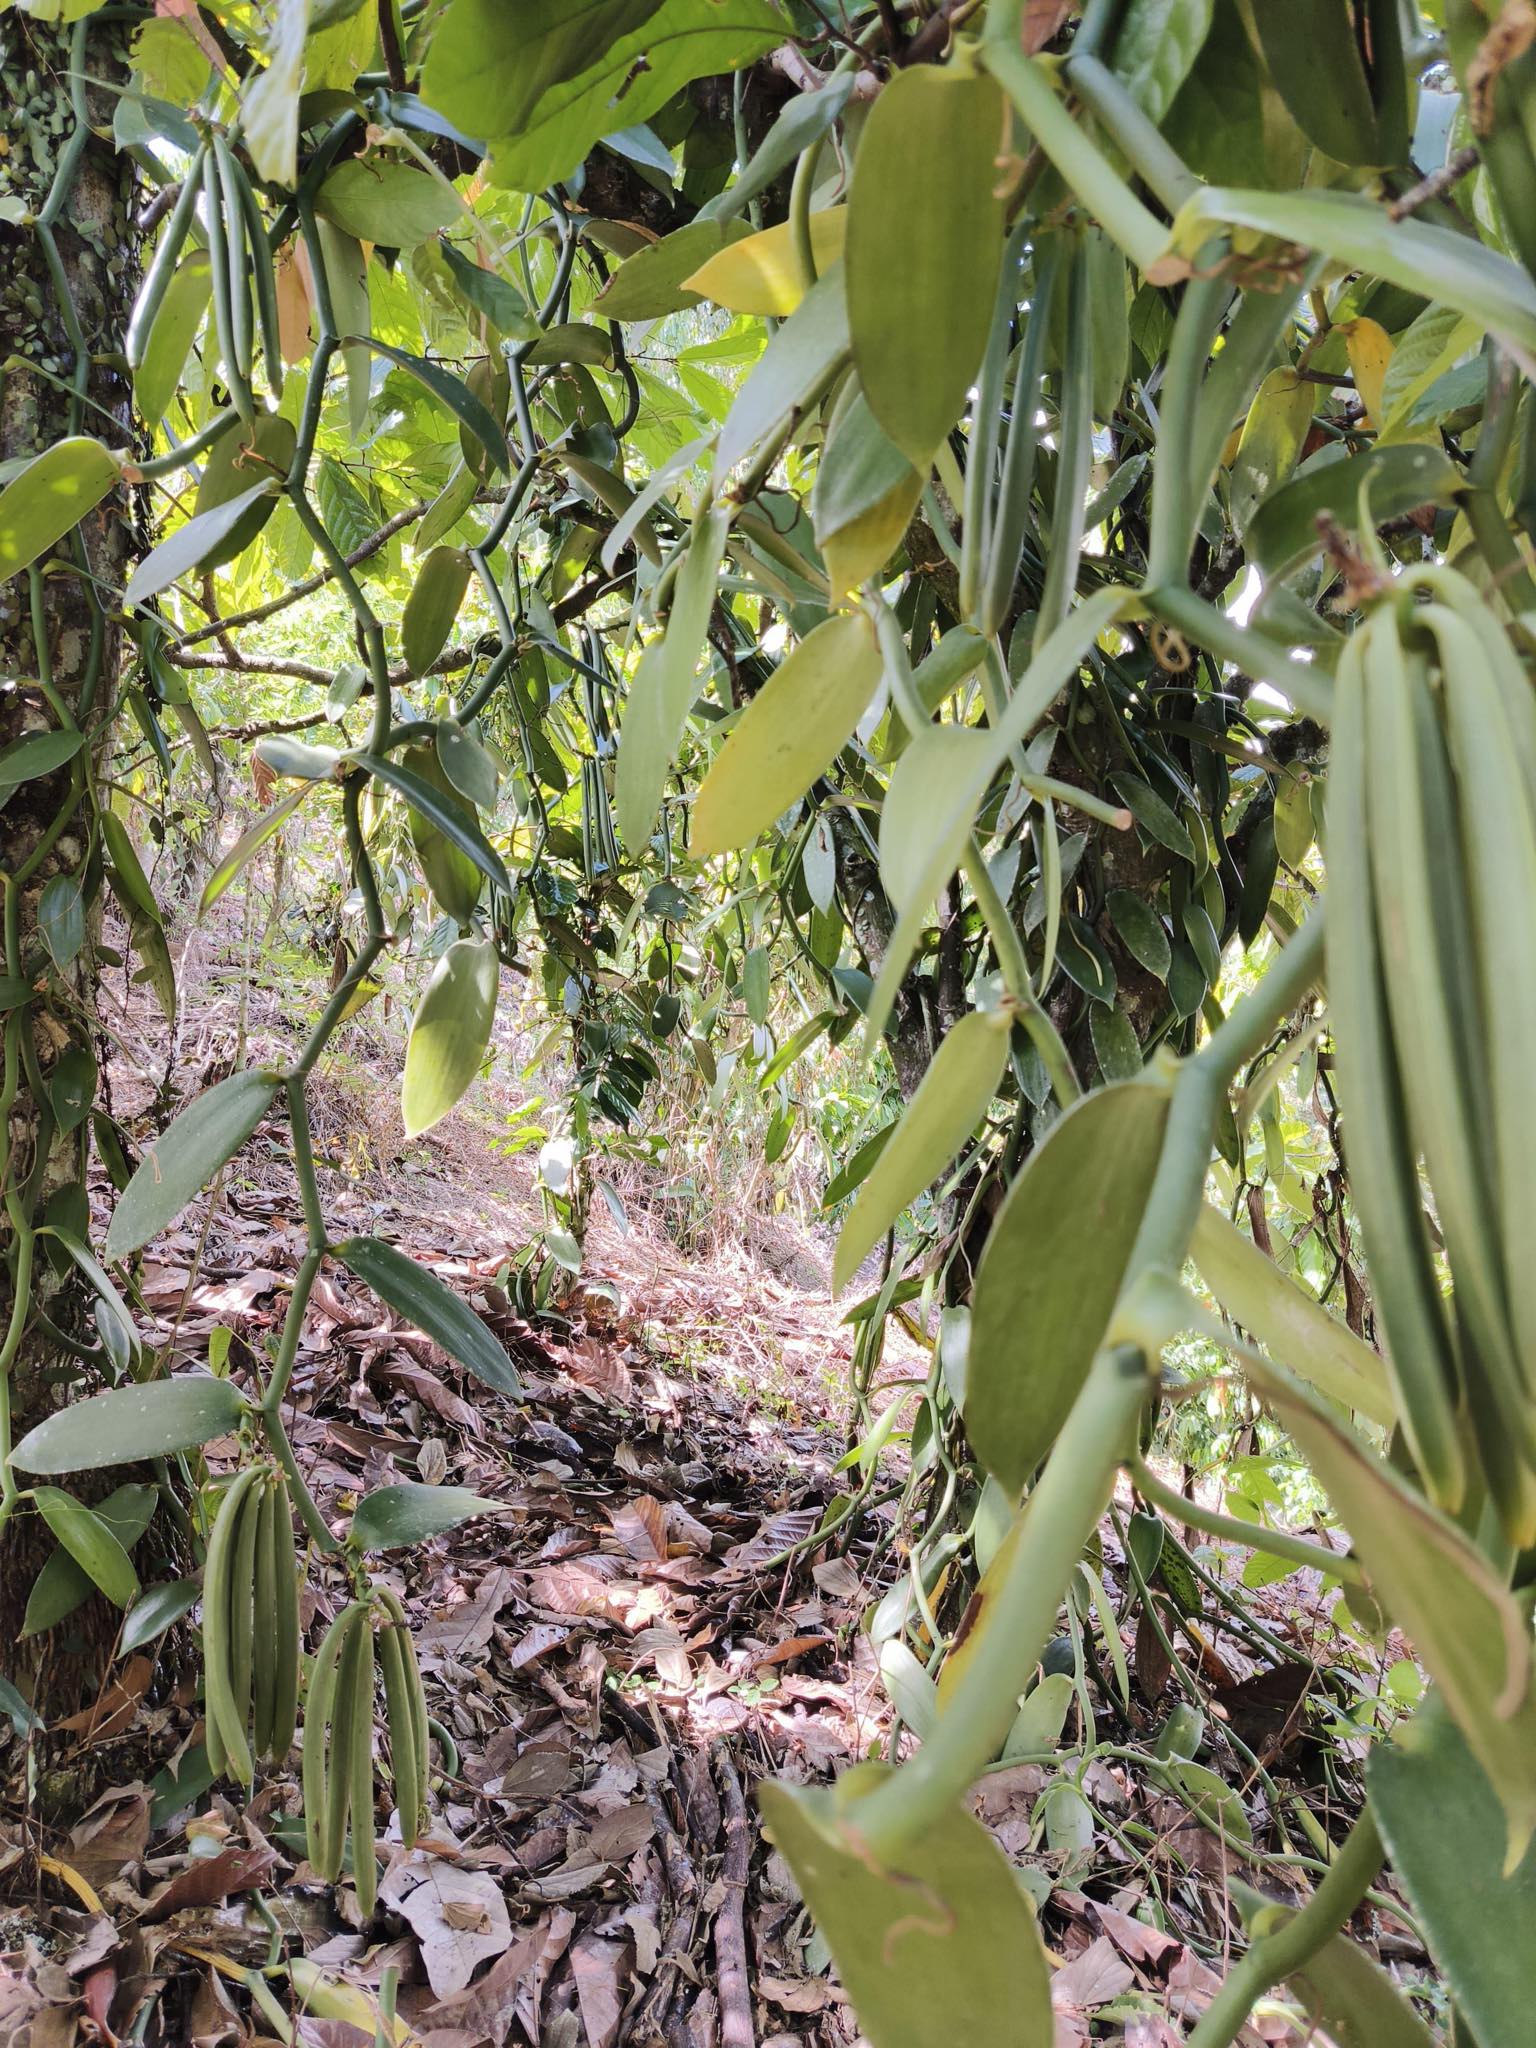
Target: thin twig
{"type": "Point", "coordinates": [1436, 185]}
{"type": "Point", "coordinates": [733, 1982]}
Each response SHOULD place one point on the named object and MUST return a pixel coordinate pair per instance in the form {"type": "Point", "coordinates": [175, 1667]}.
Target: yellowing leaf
{"type": "Point", "coordinates": [1269, 447]}
{"type": "Point", "coordinates": [947, 1107]}
{"type": "Point", "coordinates": [791, 732]}
{"type": "Point", "coordinates": [1370, 357]}
{"type": "Point", "coordinates": [762, 274]}
{"type": "Point", "coordinates": [862, 548]}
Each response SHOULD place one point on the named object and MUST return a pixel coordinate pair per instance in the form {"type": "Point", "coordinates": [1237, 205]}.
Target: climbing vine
{"type": "Point", "coordinates": [951, 648]}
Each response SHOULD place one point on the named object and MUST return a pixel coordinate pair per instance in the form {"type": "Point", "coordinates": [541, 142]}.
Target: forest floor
{"type": "Point", "coordinates": [620, 1650]}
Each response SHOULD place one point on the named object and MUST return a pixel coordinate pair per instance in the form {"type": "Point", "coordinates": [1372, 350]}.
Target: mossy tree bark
{"type": "Point", "coordinates": [65, 303]}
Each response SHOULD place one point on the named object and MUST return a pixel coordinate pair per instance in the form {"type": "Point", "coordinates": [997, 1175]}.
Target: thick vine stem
{"type": "Point", "coordinates": [1159, 166]}
{"type": "Point", "coordinates": [1274, 1955]}
{"type": "Point", "coordinates": [1016, 1617]}
{"type": "Point", "coordinates": [1295, 1550]}
{"type": "Point", "coordinates": [1202, 1082]}
{"type": "Point", "coordinates": [1074, 153]}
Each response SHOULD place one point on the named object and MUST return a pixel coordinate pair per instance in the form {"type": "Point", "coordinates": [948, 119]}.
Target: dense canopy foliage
{"type": "Point", "coordinates": [870, 524]}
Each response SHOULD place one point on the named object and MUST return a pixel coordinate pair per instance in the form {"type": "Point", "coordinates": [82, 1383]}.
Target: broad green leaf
{"type": "Point", "coordinates": [796, 365]}
{"type": "Point", "coordinates": [490, 295]}
{"type": "Point", "coordinates": [1157, 43]}
{"type": "Point", "coordinates": [1083, 958]}
{"type": "Point", "coordinates": [1152, 814]}
{"type": "Point", "coordinates": [1115, 1044]}
{"type": "Point", "coordinates": [790, 733]}
{"type": "Point", "coordinates": [156, 1608]}
{"type": "Point", "coordinates": [410, 1513]}
{"type": "Point", "coordinates": [1051, 1271]}
{"type": "Point", "coordinates": [418, 1295]}
{"type": "Point", "coordinates": [72, 1086]}
{"type": "Point", "coordinates": [248, 845]}
{"type": "Point", "coordinates": [392, 204]}
{"type": "Point", "coordinates": [628, 78]}
{"type": "Point", "coordinates": [1440, 1819]}
{"type": "Point", "coordinates": [1467, 1629]}
{"type": "Point", "coordinates": [89, 1542]}
{"type": "Point", "coordinates": [574, 341]}
{"type": "Point", "coordinates": [951, 1100]}
{"type": "Point", "coordinates": [128, 1424]}
{"type": "Point", "coordinates": [169, 341]}
{"type": "Point", "coordinates": [1380, 485]}
{"type": "Point", "coordinates": [924, 249]}
{"type": "Point", "coordinates": [937, 799]}
{"type": "Point", "coordinates": [1293, 821]}
{"type": "Point", "coordinates": [269, 123]}
{"type": "Point", "coordinates": [1041, 1717]}
{"type": "Point", "coordinates": [1271, 442]}
{"type": "Point", "coordinates": [803, 119]}
{"type": "Point", "coordinates": [347, 269]}
{"type": "Point", "coordinates": [1437, 339]}
{"type": "Point", "coordinates": [445, 813]}
{"type": "Point", "coordinates": [449, 391]}
{"type": "Point", "coordinates": [24, 1719]}
{"type": "Point", "coordinates": [1289, 1321]}
{"type": "Point", "coordinates": [62, 1586]}
{"type": "Point", "coordinates": [132, 884]}
{"type": "Point", "coordinates": [449, 1032]}
{"type": "Point", "coordinates": [938, 1945]}
{"type": "Point", "coordinates": [649, 284]}
{"type": "Point", "coordinates": [1350, 227]}
{"type": "Point", "coordinates": [432, 607]}
{"type": "Point", "coordinates": [53, 493]}
{"type": "Point", "coordinates": [186, 1156]}
{"type": "Point", "coordinates": [935, 791]}
{"type": "Point", "coordinates": [762, 274]}
{"type": "Point", "coordinates": [1314, 57]}
{"type": "Point", "coordinates": [756, 984]}
{"type": "Point", "coordinates": [489, 66]}
{"type": "Point", "coordinates": [456, 881]}
{"type": "Point", "coordinates": [1209, 1797]}
{"type": "Point", "coordinates": [1140, 930]}
{"type": "Point", "coordinates": [61, 917]}
{"type": "Point", "coordinates": [242, 456]}
{"type": "Point", "coordinates": [449, 506]}
{"type": "Point", "coordinates": [35, 754]}
{"type": "Point", "coordinates": [909, 1688]}
{"type": "Point", "coordinates": [192, 544]}
{"type": "Point", "coordinates": [662, 692]}
{"type": "Point", "coordinates": [468, 766]}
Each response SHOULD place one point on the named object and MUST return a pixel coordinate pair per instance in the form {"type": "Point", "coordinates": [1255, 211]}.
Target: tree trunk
{"type": "Point", "coordinates": [60, 652]}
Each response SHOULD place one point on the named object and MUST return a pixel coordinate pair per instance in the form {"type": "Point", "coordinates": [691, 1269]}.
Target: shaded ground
{"type": "Point", "coordinates": [617, 1654]}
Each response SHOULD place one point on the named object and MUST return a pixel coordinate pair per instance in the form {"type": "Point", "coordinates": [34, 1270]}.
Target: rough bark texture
{"type": "Point", "coordinates": [51, 627]}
